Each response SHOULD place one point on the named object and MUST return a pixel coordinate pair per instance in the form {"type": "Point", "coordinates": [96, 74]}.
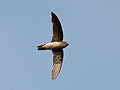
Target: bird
{"type": "Point", "coordinates": [56, 45]}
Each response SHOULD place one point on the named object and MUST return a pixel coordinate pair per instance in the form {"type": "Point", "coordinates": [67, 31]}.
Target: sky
{"type": "Point", "coordinates": [91, 61]}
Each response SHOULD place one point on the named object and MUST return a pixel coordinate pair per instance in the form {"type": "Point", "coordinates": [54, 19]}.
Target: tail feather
{"type": "Point", "coordinates": [41, 47]}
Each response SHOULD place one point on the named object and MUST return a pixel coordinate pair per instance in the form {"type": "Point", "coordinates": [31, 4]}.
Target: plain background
{"type": "Point", "coordinates": [91, 61]}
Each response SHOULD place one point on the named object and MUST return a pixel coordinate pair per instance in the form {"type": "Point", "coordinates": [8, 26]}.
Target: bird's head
{"type": "Point", "coordinates": [65, 44]}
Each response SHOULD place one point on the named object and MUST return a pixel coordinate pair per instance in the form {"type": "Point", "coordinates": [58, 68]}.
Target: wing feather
{"type": "Point", "coordinates": [57, 29]}
{"type": "Point", "coordinates": [57, 62]}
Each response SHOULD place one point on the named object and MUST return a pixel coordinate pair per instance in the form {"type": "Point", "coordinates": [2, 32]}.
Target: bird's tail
{"type": "Point", "coordinates": [41, 47]}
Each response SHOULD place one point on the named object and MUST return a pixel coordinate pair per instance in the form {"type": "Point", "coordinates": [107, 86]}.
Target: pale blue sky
{"type": "Point", "coordinates": [91, 61]}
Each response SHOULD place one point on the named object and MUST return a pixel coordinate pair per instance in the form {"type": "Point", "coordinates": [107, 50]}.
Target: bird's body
{"type": "Point", "coordinates": [56, 46]}
{"type": "Point", "coordinates": [53, 46]}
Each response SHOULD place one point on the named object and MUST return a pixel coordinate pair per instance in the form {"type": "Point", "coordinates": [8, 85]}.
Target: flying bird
{"type": "Point", "coordinates": [57, 44]}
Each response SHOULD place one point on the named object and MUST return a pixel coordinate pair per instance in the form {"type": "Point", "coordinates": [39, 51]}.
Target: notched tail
{"type": "Point", "coordinates": [41, 47]}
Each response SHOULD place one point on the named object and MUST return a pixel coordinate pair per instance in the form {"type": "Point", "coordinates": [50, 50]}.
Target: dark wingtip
{"type": "Point", "coordinates": [52, 13]}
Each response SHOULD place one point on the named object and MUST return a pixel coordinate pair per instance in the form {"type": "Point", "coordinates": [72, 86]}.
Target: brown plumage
{"type": "Point", "coordinates": [57, 29]}
{"type": "Point", "coordinates": [56, 46]}
{"type": "Point", "coordinates": [57, 54]}
{"type": "Point", "coordinates": [57, 62]}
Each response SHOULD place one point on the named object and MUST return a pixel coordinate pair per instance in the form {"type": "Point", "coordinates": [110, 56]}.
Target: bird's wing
{"type": "Point", "coordinates": [57, 62]}
{"type": "Point", "coordinates": [57, 29]}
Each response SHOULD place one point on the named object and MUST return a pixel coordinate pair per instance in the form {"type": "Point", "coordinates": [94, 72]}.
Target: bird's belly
{"type": "Point", "coordinates": [54, 45]}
